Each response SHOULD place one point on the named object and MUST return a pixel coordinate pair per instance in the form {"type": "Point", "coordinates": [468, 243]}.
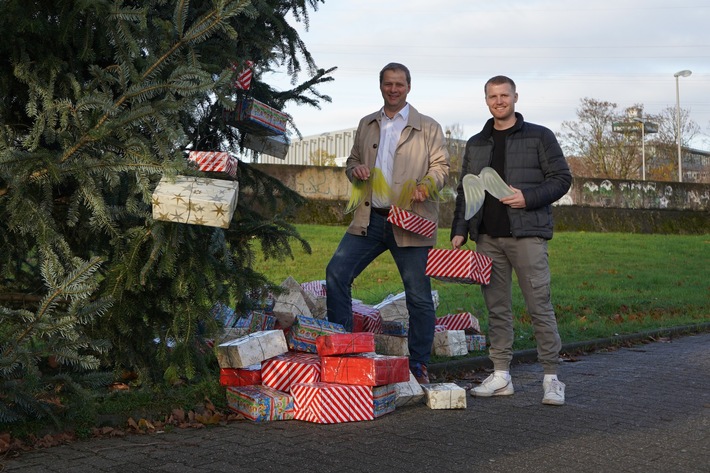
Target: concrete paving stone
{"type": "Point", "coordinates": [624, 413]}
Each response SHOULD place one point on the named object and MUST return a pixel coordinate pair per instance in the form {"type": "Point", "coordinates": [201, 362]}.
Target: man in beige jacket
{"type": "Point", "coordinates": [404, 146]}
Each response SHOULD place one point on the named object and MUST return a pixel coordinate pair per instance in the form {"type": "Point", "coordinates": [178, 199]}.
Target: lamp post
{"type": "Point", "coordinates": [643, 147]}
{"type": "Point", "coordinates": [683, 73]}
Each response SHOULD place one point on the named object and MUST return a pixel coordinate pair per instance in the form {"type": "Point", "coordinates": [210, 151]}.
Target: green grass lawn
{"type": "Point", "coordinates": [603, 284]}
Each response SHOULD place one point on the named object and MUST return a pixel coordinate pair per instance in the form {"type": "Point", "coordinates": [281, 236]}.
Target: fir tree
{"type": "Point", "coordinates": [98, 100]}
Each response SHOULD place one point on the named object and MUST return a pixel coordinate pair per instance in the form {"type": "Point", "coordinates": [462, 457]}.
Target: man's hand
{"type": "Point", "coordinates": [421, 193]}
{"type": "Point", "coordinates": [456, 242]}
{"type": "Point", "coordinates": [362, 172]}
{"type": "Point", "coordinates": [516, 201]}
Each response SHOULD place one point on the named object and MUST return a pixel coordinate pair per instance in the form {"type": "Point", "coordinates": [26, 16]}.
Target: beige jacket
{"type": "Point", "coordinates": [421, 151]}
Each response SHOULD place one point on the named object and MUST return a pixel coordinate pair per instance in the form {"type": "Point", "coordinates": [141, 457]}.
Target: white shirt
{"type": "Point", "coordinates": [390, 132]}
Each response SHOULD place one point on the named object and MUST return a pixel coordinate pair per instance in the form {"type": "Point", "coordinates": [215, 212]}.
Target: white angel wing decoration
{"type": "Point", "coordinates": [475, 187]}
{"type": "Point", "coordinates": [474, 193]}
{"type": "Point", "coordinates": [494, 184]}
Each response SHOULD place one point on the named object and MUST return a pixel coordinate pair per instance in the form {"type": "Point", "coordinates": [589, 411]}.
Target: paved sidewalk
{"type": "Point", "coordinates": [639, 409]}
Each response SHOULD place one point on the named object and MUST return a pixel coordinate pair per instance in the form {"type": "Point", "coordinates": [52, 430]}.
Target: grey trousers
{"type": "Point", "coordinates": [528, 258]}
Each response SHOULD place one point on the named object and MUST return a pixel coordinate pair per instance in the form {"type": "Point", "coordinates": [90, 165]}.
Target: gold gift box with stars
{"type": "Point", "coordinates": [195, 200]}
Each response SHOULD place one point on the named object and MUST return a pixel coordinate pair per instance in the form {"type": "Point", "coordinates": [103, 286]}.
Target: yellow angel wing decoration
{"type": "Point", "coordinates": [474, 193]}
{"type": "Point", "coordinates": [404, 201]}
{"type": "Point", "coordinates": [357, 194]}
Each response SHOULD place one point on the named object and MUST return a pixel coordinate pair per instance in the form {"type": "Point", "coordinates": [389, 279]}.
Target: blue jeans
{"type": "Point", "coordinates": [355, 253]}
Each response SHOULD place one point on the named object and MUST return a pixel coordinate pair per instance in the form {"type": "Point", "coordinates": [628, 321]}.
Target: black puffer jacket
{"type": "Point", "coordinates": [534, 164]}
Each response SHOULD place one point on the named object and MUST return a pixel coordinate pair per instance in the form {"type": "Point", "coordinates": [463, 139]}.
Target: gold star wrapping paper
{"type": "Point", "coordinates": [195, 200]}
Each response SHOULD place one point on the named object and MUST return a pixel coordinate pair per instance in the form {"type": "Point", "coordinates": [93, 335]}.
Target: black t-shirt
{"type": "Point", "coordinates": [495, 221]}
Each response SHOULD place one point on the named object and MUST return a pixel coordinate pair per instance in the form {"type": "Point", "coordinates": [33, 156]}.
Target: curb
{"type": "Point", "coordinates": [530, 356]}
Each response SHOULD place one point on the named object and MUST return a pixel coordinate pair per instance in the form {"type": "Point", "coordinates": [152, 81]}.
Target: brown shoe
{"type": "Point", "coordinates": [420, 373]}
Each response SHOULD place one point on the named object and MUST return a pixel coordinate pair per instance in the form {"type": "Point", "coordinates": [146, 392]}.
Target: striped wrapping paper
{"type": "Point", "coordinates": [411, 221]}
{"type": "Point", "coordinates": [365, 369]}
{"type": "Point", "coordinates": [461, 321]}
{"type": "Point", "coordinates": [317, 288]}
{"type": "Point", "coordinates": [345, 343]}
{"type": "Point", "coordinates": [326, 403]}
{"type": "Point", "coordinates": [215, 161]}
{"type": "Point", "coordinates": [464, 266]}
{"type": "Point", "coordinates": [260, 403]}
{"type": "Point", "coordinates": [366, 318]}
{"type": "Point", "coordinates": [283, 371]}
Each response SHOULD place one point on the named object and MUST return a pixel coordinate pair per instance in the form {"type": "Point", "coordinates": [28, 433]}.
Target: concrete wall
{"type": "Point", "coordinates": [330, 183]}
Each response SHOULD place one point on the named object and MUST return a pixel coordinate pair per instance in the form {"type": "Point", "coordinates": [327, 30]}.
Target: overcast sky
{"type": "Point", "coordinates": [557, 52]}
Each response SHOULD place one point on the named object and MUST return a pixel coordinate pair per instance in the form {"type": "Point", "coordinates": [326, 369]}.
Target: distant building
{"type": "Point", "coordinates": [337, 143]}
{"type": "Point", "coordinates": [696, 165]}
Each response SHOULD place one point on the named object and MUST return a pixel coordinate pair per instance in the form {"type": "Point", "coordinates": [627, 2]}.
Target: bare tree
{"type": "Point", "coordinates": [594, 144]}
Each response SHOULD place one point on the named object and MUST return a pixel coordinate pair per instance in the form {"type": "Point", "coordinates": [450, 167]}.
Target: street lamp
{"type": "Point", "coordinates": [683, 73]}
{"type": "Point", "coordinates": [643, 147]}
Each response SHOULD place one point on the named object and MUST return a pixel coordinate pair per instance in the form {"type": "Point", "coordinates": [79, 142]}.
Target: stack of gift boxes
{"type": "Point", "coordinates": [282, 360]}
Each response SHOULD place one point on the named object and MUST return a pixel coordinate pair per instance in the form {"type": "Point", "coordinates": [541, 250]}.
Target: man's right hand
{"type": "Point", "coordinates": [456, 242]}
{"type": "Point", "coordinates": [362, 172]}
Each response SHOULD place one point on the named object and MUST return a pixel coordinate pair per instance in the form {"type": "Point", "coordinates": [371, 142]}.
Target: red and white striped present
{"type": "Point", "coordinates": [464, 266]}
{"type": "Point", "coordinates": [326, 403]}
{"type": "Point", "coordinates": [345, 343]}
{"type": "Point", "coordinates": [215, 161]}
{"type": "Point", "coordinates": [366, 369]}
{"type": "Point", "coordinates": [366, 318]}
{"type": "Point", "coordinates": [283, 371]}
{"type": "Point", "coordinates": [317, 288]}
{"type": "Point", "coordinates": [411, 221]}
{"type": "Point", "coordinates": [243, 80]}
{"type": "Point", "coordinates": [440, 328]}
{"type": "Point", "coordinates": [462, 321]}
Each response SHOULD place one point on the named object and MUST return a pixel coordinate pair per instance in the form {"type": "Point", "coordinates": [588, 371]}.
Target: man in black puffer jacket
{"type": "Point", "coordinates": [513, 232]}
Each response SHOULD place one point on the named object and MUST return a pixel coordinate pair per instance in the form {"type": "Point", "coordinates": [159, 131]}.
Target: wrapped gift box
{"type": "Point", "coordinates": [240, 376]}
{"type": "Point", "coordinates": [395, 328]}
{"type": "Point", "coordinates": [283, 371]}
{"type": "Point", "coordinates": [391, 345]}
{"type": "Point", "coordinates": [317, 288]}
{"type": "Point", "coordinates": [440, 328]}
{"type": "Point", "coordinates": [303, 333]}
{"type": "Point", "coordinates": [411, 221]}
{"type": "Point", "coordinates": [254, 348]}
{"type": "Point", "coordinates": [465, 321]}
{"type": "Point", "coordinates": [276, 146]}
{"type": "Point", "coordinates": [291, 302]}
{"type": "Point", "coordinates": [224, 314]}
{"type": "Point", "coordinates": [260, 403]}
{"type": "Point", "coordinates": [366, 318]}
{"type": "Point", "coordinates": [256, 321]}
{"type": "Point", "coordinates": [327, 403]}
{"type": "Point", "coordinates": [195, 200]}
{"type": "Point", "coordinates": [408, 392]}
{"type": "Point", "coordinates": [367, 369]}
{"type": "Point", "coordinates": [444, 396]}
{"type": "Point", "coordinates": [256, 117]}
{"type": "Point", "coordinates": [345, 343]}
{"type": "Point", "coordinates": [463, 266]}
{"type": "Point", "coordinates": [215, 161]}
{"type": "Point", "coordinates": [450, 343]}
{"type": "Point", "coordinates": [476, 342]}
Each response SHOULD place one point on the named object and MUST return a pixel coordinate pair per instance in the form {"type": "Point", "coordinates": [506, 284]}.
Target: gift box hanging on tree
{"type": "Point", "coordinates": [214, 161]}
{"type": "Point", "coordinates": [257, 118]}
{"type": "Point", "coordinates": [463, 266]}
{"type": "Point", "coordinates": [195, 200]}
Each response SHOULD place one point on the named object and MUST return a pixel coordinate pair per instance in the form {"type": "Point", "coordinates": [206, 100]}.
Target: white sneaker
{"type": "Point", "coordinates": [554, 393]}
{"type": "Point", "coordinates": [494, 386]}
